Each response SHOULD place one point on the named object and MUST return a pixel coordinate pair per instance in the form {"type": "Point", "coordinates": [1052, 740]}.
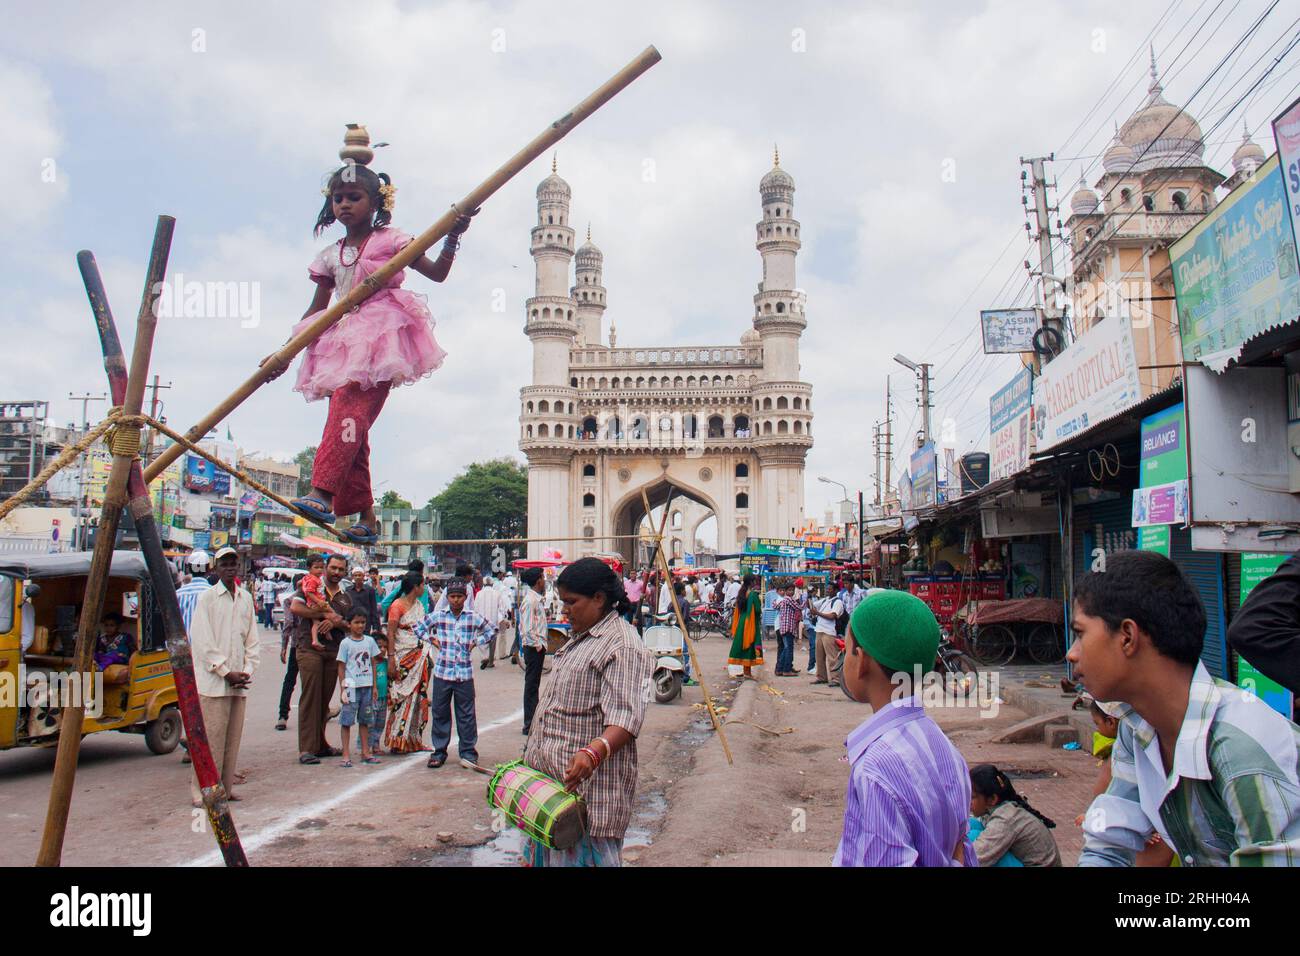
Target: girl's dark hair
{"type": "Point", "coordinates": [592, 576]}
{"type": "Point", "coordinates": [747, 584]}
{"type": "Point", "coordinates": [988, 781]}
{"type": "Point", "coordinates": [367, 179]}
{"type": "Point", "coordinates": [410, 580]}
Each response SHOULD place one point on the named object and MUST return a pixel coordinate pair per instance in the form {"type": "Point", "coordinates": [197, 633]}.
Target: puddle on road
{"type": "Point", "coordinates": [506, 848]}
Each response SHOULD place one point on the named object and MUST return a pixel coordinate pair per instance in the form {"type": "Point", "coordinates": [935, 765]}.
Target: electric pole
{"type": "Point", "coordinates": [153, 413]}
{"type": "Point", "coordinates": [888, 450]}
{"type": "Point", "coordinates": [78, 532]}
{"type": "Point", "coordinates": [925, 403]}
{"type": "Point", "coordinates": [875, 449]}
{"type": "Point", "coordinates": [1046, 261]}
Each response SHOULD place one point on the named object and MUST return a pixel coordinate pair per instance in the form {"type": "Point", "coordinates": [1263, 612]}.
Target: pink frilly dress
{"type": "Point", "coordinates": [388, 338]}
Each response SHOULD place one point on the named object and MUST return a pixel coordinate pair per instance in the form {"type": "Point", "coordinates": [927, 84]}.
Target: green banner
{"type": "Point", "coordinates": [1154, 538]}
{"type": "Point", "coordinates": [1255, 568]}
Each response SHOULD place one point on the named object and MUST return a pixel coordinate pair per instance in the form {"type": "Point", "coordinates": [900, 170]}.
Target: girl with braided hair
{"type": "Point", "coordinates": [384, 342]}
{"type": "Point", "coordinates": [1006, 830]}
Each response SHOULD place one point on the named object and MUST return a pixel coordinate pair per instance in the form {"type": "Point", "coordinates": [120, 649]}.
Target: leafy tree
{"type": "Point", "coordinates": [391, 499]}
{"type": "Point", "coordinates": [489, 499]}
{"type": "Point", "coordinates": [305, 459]}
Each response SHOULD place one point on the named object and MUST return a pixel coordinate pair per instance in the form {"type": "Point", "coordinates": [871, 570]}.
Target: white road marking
{"type": "Point", "coordinates": [274, 831]}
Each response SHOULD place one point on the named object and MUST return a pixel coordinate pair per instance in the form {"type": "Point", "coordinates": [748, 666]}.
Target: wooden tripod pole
{"type": "Point", "coordinates": [681, 622]}
{"type": "Point", "coordinates": [92, 608]}
{"type": "Point", "coordinates": [164, 587]}
{"type": "Point", "coordinates": [376, 281]}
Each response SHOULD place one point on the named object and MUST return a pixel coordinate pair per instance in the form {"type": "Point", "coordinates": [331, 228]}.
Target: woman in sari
{"type": "Point", "coordinates": [746, 645]}
{"type": "Point", "coordinates": [410, 662]}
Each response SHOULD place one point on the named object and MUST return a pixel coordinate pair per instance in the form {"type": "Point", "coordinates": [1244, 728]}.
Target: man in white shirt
{"type": "Point", "coordinates": [826, 611]}
{"type": "Point", "coordinates": [731, 592]}
{"type": "Point", "coordinates": [224, 641]}
{"type": "Point", "coordinates": [266, 600]}
{"type": "Point", "coordinates": [491, 606]}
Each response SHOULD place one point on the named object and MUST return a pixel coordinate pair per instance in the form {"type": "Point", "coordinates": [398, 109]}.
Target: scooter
{"type": "Point", "coordinates": [668, 645]}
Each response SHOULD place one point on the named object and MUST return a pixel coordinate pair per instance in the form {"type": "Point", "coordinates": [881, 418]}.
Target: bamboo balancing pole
{"type": "Point", "coordinates": [125, 446]}
{"type": "Point", "coordinates": [681, 622]}
{"type": "Point", "coordinates": [472, 201]}
{"type": "Point", "coordinates": [164, 588]}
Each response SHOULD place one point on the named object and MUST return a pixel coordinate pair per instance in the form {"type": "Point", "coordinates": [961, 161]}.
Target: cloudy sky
{"type": "Point", "coordinates": [902, 124]}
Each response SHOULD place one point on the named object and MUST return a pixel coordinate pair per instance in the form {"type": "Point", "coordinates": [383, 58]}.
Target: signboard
{"type": "Point", "coordinates": [1010, 426]}
{"type": "Point", "coordinates": [1235, 273]}
{"type": "Point", "coordinates": [1008, 330]}
{"type": "Point", "coordinates": [1286, 133]}
{"type": "Point", "coordinates": [1094, 379]}
{"type": "Point", "coordinates": [1160, 504]}
{"type": "Point", "coordinates": [789, 548]}
{"type": "Point", "coordinates": [1255, 568]}
{"type": "Point", "coordinates": [905, 492]}
{"type": "Point", "coordinates": [202, 475]}
{"type": "Point", "coordinates": [925, 477]}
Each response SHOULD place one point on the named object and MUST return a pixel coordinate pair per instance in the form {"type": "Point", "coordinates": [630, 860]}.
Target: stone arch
{"type": "Point", "coordinates": [782, 403]}
{"type": "Point", "coordinates": [717, 427]}
{"type": "Point", "coordinates": [589, 500]}
{"type": "Point", "coordinates": [742, 470]}
{"type": "Point", "coordinates": [589, 427]}
{"type": "Point", "coordinates": [740, 424]}
{"type": "Point", "coordinates": [543, 406]}
{"type": "Point", "coordinates": [798, 403]}
{"type": "Point", "coordinates": [628, 511]}
{"type": "Point", "coordinates": [767, 428]}
{"type": "Point", "coordinates": [767, 404]}
{"type": "Point", "coordinates": [589, 470]}
{"type": "Point", "coordinates": [742, 501]}
{"type": "Point", "coordinates": [783, 427]}
{"type": "Point", "coordinates": [543, 431]}
{"type": "Point", "coordinates": [798, 428]}
{"type": "Point", "coordinates": [529, 406]}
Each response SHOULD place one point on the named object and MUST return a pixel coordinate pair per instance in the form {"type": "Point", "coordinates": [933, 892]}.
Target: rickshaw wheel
{"type": "Point", "coordinates": [1044, 645]}
{"type": "Point", "coordinates": [992, 644]}
{"type": "Point", "coordinates": [163, 734]}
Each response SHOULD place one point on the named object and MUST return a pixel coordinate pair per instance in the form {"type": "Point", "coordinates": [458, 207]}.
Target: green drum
{"type": "Point", "coordinates": [538, 805]}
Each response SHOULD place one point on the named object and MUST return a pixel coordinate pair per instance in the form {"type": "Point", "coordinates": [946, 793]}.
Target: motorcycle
{"type": "Point", "coordinates": [668, 644]}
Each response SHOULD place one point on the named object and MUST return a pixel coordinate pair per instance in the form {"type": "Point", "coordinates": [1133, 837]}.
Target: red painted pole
{"type": "Point", "coordinates": [164, 588]}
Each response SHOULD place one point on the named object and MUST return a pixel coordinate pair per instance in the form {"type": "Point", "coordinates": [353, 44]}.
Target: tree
{"type": "Point", "coordinates": [489, 499]}
{"type": "Point", "coordinates": [391, 499]}
{"type": "Point", "coordinates": [305, 459]}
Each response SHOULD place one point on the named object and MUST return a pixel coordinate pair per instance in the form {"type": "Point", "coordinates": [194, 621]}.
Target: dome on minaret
{"type": "Point", "coordinates": [553, 188]}
{"type": "Point", "coordinates": [1160, 133]}
{"type": "Point", "coordinates": [1084, 202]}
{"type": "Point", "coordinates": [589, 255]}
{"type": "Point", "coordinates": [777, 184]}
{"type": "Point", "coordinates": [1118, 158]}
{"type": "Point", "coordinates": [751, 337]}
{"type": "Point", "coordinates": [1249, 155]}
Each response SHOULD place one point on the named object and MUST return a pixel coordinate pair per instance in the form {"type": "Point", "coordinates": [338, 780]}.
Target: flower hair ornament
{"type": "Point", "coordinates": [389, 192]}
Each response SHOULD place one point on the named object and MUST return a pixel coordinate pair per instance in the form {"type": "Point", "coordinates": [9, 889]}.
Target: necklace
{"type": "Point", "coordinates": [343, 248]}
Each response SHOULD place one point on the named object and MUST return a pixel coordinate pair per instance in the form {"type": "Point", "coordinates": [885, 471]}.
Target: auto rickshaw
{"type": "Point", "coordinates": [40, 604]}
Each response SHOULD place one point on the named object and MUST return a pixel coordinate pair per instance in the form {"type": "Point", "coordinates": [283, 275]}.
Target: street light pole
{"type": "Point", "coordinates": [922, 369]}
{"type": "Point", "coordinates": [78, 532]}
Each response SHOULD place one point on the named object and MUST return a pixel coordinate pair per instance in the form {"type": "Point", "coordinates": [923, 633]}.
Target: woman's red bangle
{"type": "Point", "coordinates": [595, 757]}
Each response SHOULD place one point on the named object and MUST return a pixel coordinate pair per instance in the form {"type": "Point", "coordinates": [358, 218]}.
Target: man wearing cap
{"type": "Point", "coordinates": [909, 789]}
{"type": "Point", "coordinates": [225, 643]}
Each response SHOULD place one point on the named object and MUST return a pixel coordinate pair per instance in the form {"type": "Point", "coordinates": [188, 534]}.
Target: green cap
{"type": "Point", "coordinates": [897, 629]}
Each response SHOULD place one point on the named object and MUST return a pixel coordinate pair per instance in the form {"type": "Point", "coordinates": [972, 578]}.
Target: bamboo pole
{"type": "Point", "coordinates": [681, 621]}
{"type": "Point", "coordinates": [164, 588]}
{"type": "Point", "coordinates": [65, 763]}
{"type": "Point", "coordinates": [473, 200]}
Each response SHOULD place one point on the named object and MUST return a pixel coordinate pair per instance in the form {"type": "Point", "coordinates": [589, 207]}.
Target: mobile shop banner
{"type": "Point", "coordinates": [1094, 379]}
{"type": "Point", "coordinates": [1255, 568]}
{"type": "Point", "coordinates": [925, 477]}
{"type": "Point", "coordinates": [1160, 504]}
{"type": "Point", "coordinates": [1008, 330]}
{"type": "Point", "coordinates": [1009, 424]}
{"type": "Point", "coordinates": [1286, 133]}
{"type": "Point", "coordinates": [1235, 272]}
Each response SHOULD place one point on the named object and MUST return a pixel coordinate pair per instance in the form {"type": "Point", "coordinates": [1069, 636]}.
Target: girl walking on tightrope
{"type": "Point", "coordinates": [384, 342]}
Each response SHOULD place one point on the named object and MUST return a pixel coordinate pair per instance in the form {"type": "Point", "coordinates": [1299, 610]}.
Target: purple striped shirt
{"type": "Point", "coordinates": [909, 793]}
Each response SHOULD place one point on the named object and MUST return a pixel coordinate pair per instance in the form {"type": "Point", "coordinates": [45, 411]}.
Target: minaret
{"type": "Point", "coordinates": [548, 407]}
{"type": "Point", "coordinates": [782, 415]}
{"type": "Point", "coordinates": [587, 291]}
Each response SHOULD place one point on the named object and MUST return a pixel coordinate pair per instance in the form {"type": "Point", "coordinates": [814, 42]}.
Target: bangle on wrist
{"type": "Point", "coordinates": [595, 757]}
{"type": "Point", "coordinates": [609, 751]}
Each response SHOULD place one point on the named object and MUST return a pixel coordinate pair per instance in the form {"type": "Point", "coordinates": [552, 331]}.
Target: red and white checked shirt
{"type": "Point", "coordinates": [601, 678]}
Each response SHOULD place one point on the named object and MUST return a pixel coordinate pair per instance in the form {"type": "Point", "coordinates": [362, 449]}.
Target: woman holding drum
{"type": "Point", "coordinates": [584, 730]}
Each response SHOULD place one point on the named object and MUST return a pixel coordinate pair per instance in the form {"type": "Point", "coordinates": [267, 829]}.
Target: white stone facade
{"type": "Point", "coordinates": [729, 426]}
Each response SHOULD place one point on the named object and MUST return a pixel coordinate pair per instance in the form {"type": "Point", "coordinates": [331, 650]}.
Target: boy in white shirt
{"type": "Point", "coordinates": [356, 660]}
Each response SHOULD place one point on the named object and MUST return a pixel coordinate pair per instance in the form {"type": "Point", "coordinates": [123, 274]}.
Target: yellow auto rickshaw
{"type": "Point", "coordinates": [40, 605]}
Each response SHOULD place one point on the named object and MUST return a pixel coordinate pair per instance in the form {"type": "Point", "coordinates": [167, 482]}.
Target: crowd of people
{"type": "Point", "coordinates": [1195, 771]}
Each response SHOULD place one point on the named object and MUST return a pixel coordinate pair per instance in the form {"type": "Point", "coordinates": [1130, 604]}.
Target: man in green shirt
{"type": "Point", "coordinates": [1208, 766]}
